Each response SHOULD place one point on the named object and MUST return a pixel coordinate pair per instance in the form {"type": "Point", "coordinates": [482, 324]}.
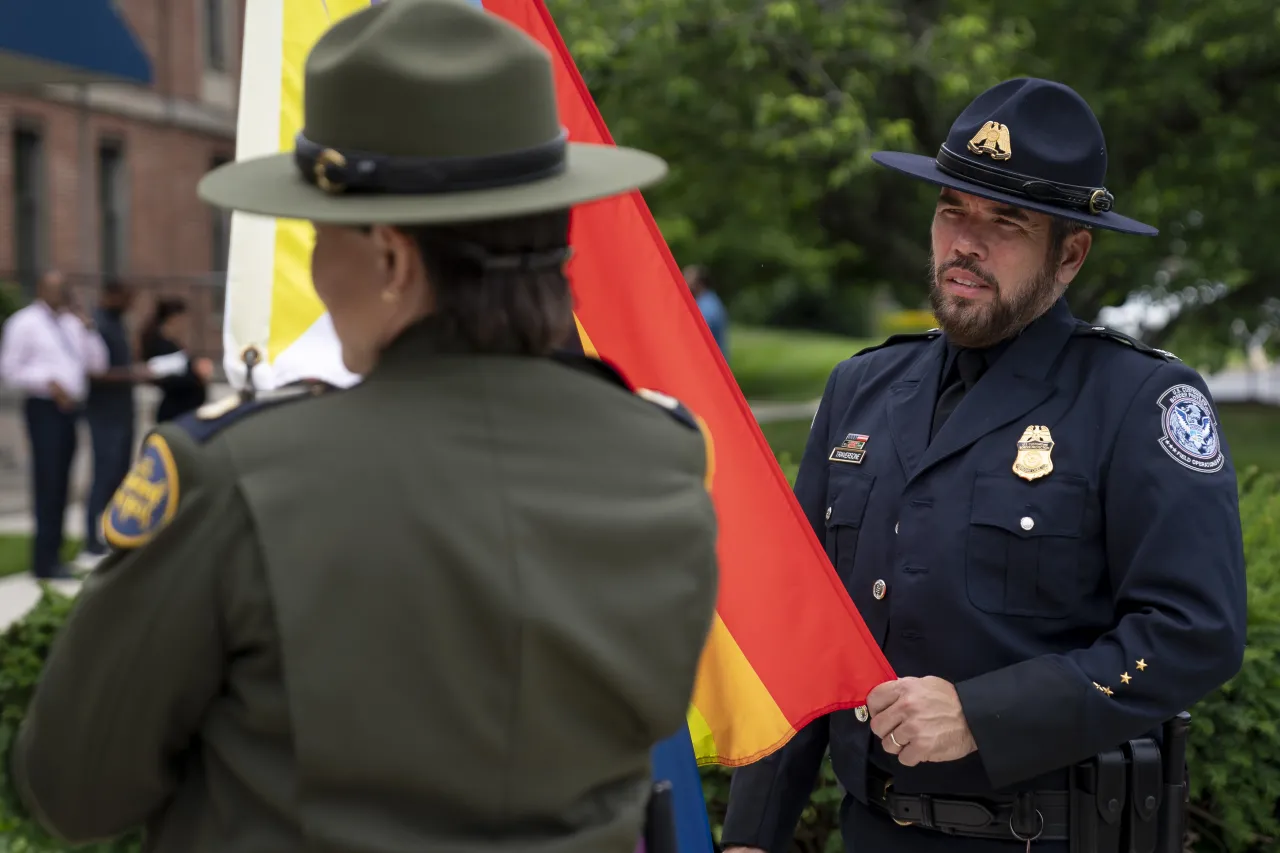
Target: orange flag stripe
{"type": "Point", "coordinates": [739, 718]}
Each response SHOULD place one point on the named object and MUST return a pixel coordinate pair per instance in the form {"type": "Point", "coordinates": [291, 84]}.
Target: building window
{"type": "Point", "coordinates": [29, 208]}
{"type": "Point", "coordinates": [221, 242]}
{"type": "Point", "coordinates": [215, 35]}
{"type": "Point", "coordinates": [113, 213]}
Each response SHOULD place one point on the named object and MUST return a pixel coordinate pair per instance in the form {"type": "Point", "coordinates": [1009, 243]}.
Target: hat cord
{"type": "Point", "coordinates": [349, 171]}
{"type": "Point", "coordinates": [1093, 200]}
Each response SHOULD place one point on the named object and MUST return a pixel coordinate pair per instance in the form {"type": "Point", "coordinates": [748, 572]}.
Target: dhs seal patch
{"type": "Point", "coordinates": [1190, 429]}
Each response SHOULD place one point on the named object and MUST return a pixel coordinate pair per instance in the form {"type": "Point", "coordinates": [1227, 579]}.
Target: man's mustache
{"type": "Point", "coordinates": [969, 266]}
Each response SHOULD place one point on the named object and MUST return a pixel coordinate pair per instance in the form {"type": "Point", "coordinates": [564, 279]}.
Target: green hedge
{"type": "Point", "coordinates": [23, 648]}
{"type": "Point", "coordinates": [1235, 738]}
{"type": "Point", "coordinates": [1234, 752]}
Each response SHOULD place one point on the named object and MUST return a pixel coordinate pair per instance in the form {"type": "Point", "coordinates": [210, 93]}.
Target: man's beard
{"type": "Point", "coordinates": [978, 323]}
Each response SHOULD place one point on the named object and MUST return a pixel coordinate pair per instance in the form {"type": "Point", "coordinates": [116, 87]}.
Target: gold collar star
{"type": "Point", "coordinates": [1142, 664]}
{"type": "Point", "coordinates": [1125, 677]}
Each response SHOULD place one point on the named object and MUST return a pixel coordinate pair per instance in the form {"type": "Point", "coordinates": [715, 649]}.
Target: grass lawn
{"type": "Point", "coordinates": [775, 364]}
{"type": "Point", "coordinates": [1253, 434]}
{"type": "Point", "coordinates": [15, 554]}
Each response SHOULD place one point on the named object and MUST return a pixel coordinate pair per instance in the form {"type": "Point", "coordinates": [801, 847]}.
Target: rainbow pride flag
{"type": "Point", "coordinates": [787, 644]}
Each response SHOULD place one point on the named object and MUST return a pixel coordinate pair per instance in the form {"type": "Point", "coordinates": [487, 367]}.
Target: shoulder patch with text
{"type": "Point", "coordinates": [1190, 429]}
{"type": "Point", "coordinates": [147, 499]}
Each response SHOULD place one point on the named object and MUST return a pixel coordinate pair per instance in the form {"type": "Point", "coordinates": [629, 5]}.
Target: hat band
{"type": "Point", "coordinates": [1087, 199]}
{"type": "Point", "coordinates": [346, 171]}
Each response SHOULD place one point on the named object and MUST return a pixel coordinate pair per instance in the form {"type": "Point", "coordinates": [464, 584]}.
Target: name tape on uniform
{"type": "Point", "coordinates": [852, 450]}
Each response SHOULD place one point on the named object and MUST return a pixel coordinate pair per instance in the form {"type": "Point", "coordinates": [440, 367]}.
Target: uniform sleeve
{"type": "Point", "coordinates": [141, 656]}
{"type": "Point", "coordinates": [767, 797]}
{"type": "Point", "coordinates": [1175, 555]}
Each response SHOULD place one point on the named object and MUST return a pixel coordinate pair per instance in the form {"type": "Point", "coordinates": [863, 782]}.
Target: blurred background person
{"type": "Point", "coordinates": [713, 310]}
{"type": "Point", "coordinates": [184, 381]}
{"type": "Point", "coordinates": [47, 353]}
{"type": "Point", "coordinates": [111, 411]}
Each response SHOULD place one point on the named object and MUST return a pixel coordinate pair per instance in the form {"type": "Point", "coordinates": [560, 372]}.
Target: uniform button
{"type": "Point", "coordinates": [1027, 522]}
{"type": "Point", "coordinates": [895, 527]}
{"type": "Point", "coordinates": [861, 713]}
{"type": "Point", "coordinates": [877, 589]}
{"type": "Point", "coordinates": [828, 513]}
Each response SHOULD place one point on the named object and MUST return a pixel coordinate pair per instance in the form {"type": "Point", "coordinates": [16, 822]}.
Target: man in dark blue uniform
{"type": "Point", "coordinates": [1037, 518]}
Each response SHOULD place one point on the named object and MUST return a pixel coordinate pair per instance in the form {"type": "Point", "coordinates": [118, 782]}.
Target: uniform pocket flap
{"type": "Point", "coordinates": [1049, 507]}
{"type": "Point", "coordinates": [849, 495]}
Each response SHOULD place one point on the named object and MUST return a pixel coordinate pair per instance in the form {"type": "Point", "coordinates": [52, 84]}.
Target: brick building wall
{"type": "Point", "coordinates": [111, 186]}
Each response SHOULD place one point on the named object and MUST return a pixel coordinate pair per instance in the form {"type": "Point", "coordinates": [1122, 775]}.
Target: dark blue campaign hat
{"type": "Point", "coordinates": [1031, 143]}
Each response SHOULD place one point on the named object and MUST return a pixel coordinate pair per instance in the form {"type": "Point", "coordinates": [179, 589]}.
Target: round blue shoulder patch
{"type": "Point", "coordinates": [147, 499]}
{"type": "Point", "coordinates": [1190, 429]}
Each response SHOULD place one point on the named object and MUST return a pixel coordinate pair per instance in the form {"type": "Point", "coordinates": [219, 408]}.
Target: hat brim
{"type": "Point", "coordinates": [272, 186]}
{"type": "Point", "coordinates": [926, 169]}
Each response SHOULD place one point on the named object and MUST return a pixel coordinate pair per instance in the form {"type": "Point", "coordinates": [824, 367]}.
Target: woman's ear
{"type": "Point", "coordinates": [396, 256]}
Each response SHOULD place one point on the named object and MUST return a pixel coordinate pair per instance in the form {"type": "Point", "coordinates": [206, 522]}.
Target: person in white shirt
{"type": "Point", "coordinates": [47, 352]}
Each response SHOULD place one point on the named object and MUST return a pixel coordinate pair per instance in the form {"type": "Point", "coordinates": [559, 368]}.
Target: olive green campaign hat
{"type": "Point", "coordinates": [427, 111]}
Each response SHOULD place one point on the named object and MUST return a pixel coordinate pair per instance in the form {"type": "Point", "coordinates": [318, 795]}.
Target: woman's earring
{"type": "Point", "coordinates": [390, 295]}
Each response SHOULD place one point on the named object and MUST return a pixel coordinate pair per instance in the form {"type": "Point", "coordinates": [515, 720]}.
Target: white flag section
{"type": "Point", "coordinates": [270, 302]}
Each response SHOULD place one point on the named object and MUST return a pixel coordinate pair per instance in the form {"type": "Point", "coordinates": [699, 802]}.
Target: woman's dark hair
{"type": "Point", "coordinates": [164, 309]}
{"type": "Point", "coordinates": [516, 309]}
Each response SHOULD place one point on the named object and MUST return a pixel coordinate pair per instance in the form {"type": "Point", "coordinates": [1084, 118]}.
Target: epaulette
{"type": "Point", "coordinates": [599, 367]}
{"type": "Point", "coordinates": [1120, 337]}
{"type": "Point", "coordinates": [670, 405]}
{"type": "Point", "coordinates": [212, 418]}
{"type": "Point", "coordinates": [589, 364]}
{"type": "Point", "coordinates": [900, 338]}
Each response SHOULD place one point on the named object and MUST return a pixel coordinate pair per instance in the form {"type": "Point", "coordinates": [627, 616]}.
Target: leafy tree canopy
{"type": "Point", "coordinates": [768, 111]}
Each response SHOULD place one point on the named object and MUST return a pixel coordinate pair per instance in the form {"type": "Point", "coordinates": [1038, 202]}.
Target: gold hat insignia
{"type": "Point", "coordinates": [992, 139]}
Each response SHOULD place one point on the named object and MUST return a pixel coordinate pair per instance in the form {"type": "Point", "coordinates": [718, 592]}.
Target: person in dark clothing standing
{"type": "Point", "coordinates": [184, 390]}
{"type": "Point", "coordinates": [109, 411]}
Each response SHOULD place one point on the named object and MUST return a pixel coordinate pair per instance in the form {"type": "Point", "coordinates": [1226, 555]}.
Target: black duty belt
{"type": "Point", "coordinates": [1039, 815]}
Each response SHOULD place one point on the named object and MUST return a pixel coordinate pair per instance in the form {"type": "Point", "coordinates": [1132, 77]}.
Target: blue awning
{"type": "Point", "coordinates": [67, 41]}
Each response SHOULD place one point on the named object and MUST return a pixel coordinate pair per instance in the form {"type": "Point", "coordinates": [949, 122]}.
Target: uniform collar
{"type": "Point", "coordinates": [1018, 380]}
{"type": "Point", "coordinates": [1051, 325]}
{"type": "Point", "coordinates": [424, 339]}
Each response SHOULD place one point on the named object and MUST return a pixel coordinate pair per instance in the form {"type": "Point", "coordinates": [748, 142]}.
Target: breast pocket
{"type": "Point", "coordinates": [1025, 545]}
{"type": "Point", "coordinates": [847, 495]}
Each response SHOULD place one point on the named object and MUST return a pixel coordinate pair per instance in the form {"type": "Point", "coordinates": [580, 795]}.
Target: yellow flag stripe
{"type": "Point", "coordinates": [294, 304]}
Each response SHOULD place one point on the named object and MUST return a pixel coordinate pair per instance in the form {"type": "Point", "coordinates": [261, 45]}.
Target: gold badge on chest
{"type": "Point", "coordinates": [1035, 451]}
